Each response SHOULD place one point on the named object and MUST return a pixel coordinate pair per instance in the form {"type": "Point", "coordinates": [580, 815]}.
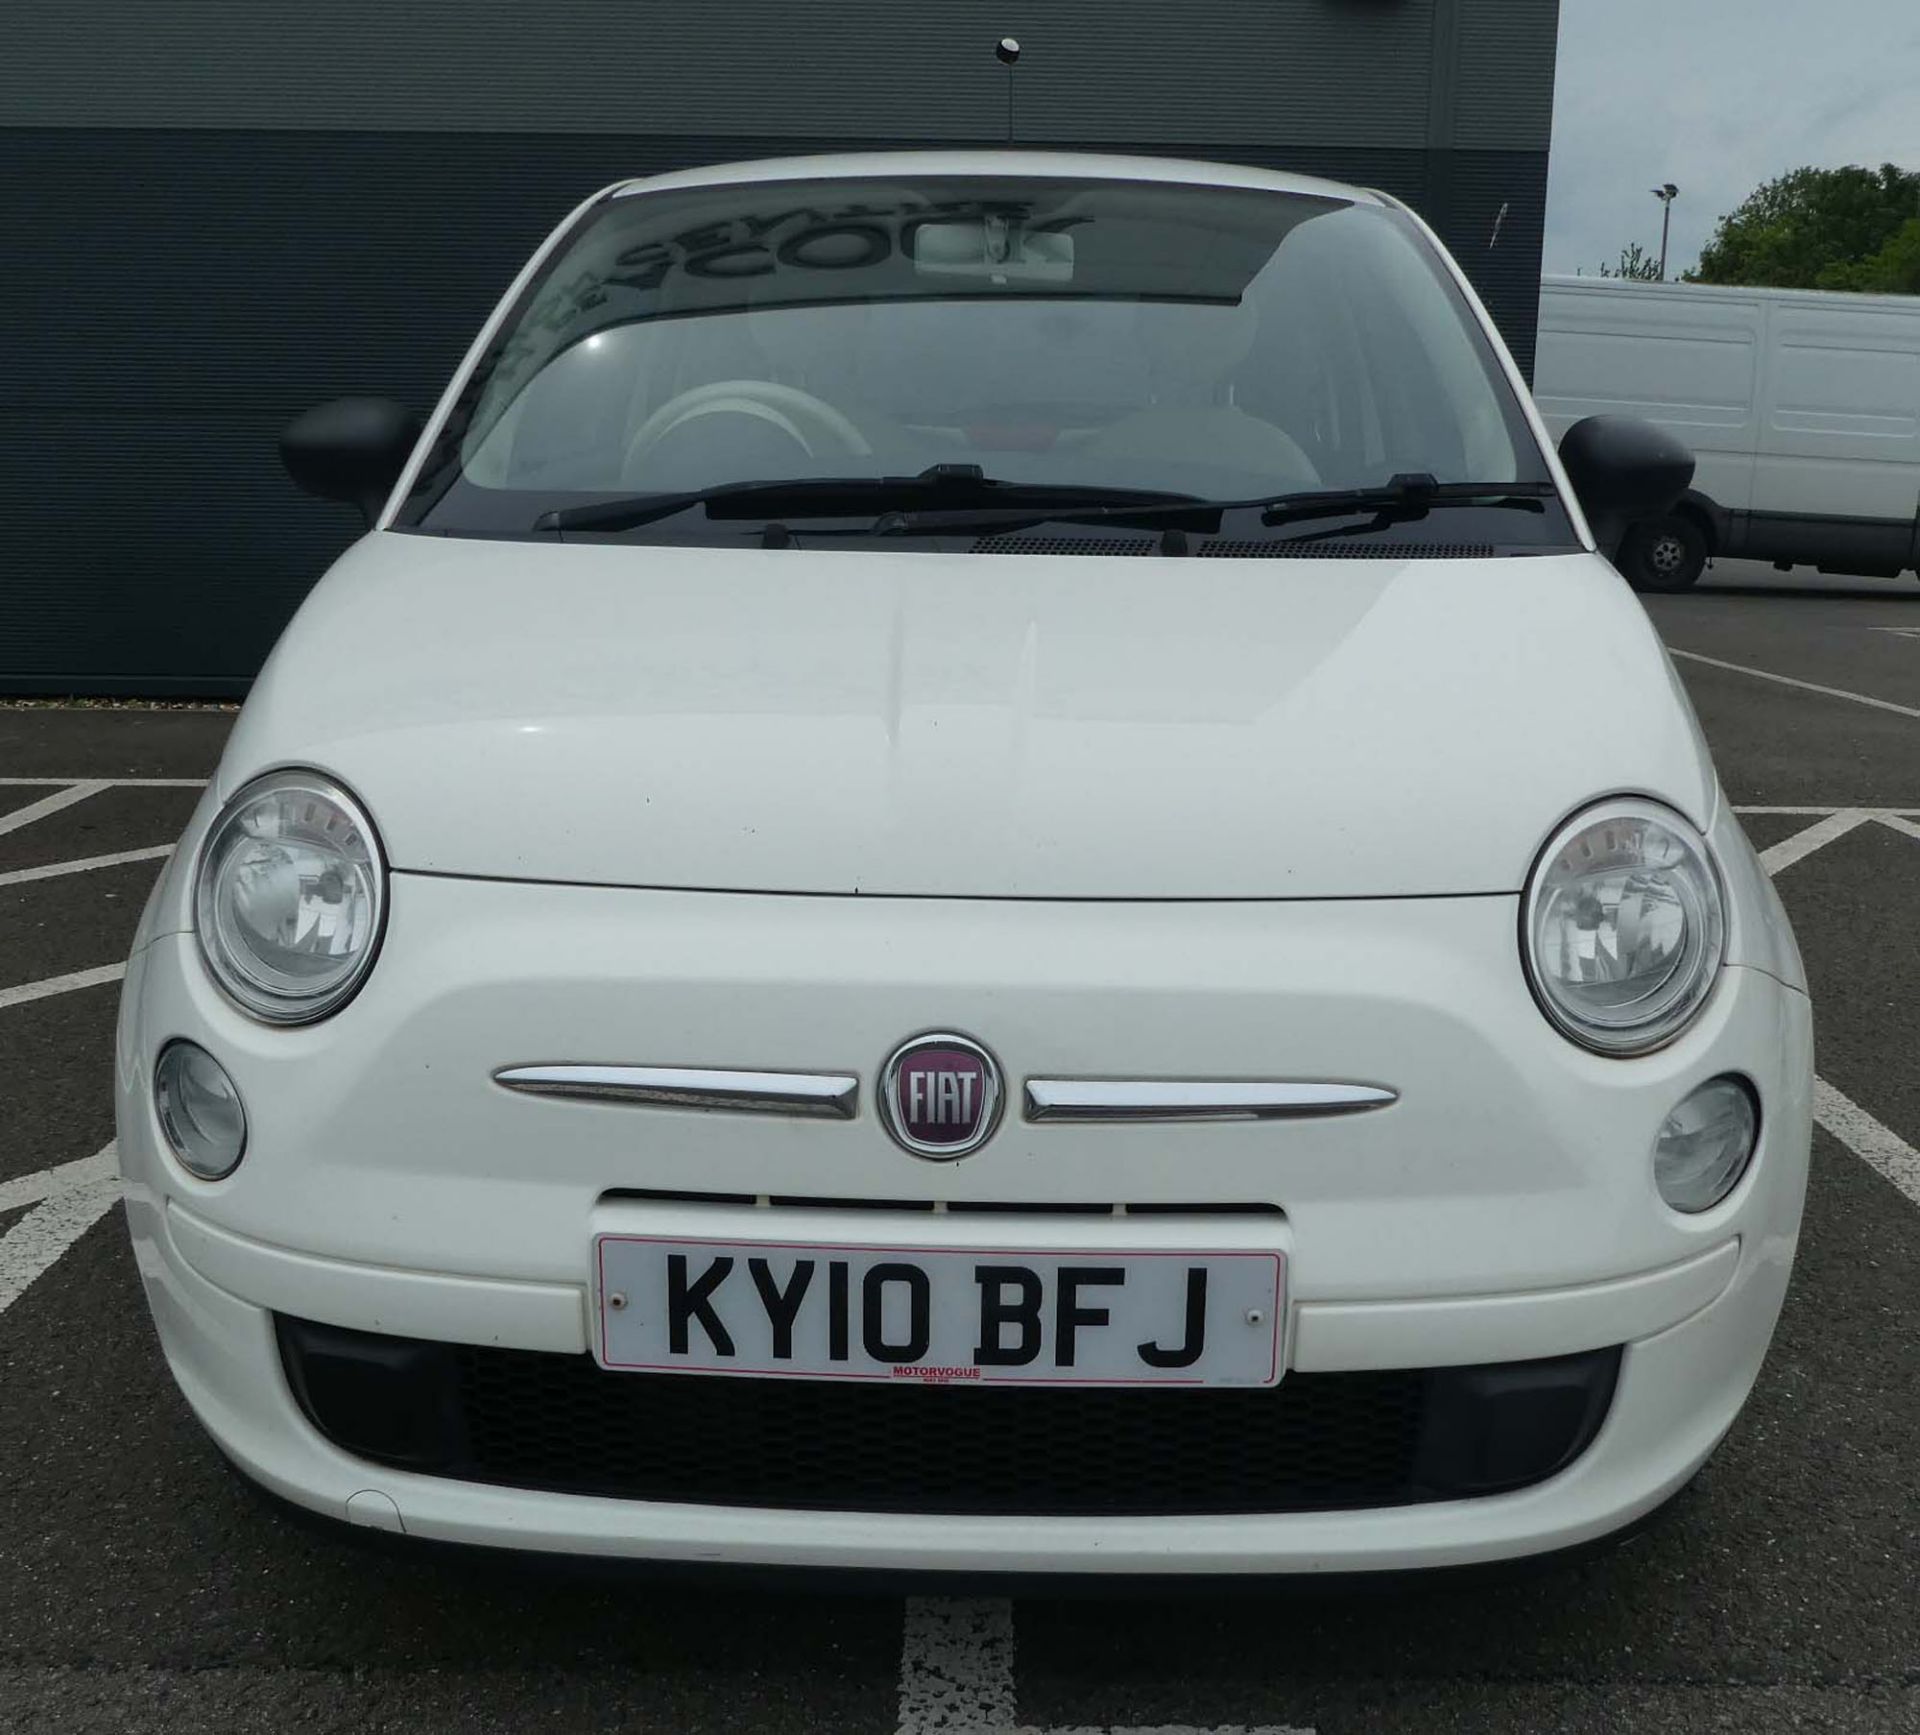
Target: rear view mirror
{"type": "Point", "coordinates": [994, 249]}
{"type": "Point", "coordinates": [350, 449]}
{"type": "Point", "coordinates": [1622, 470]}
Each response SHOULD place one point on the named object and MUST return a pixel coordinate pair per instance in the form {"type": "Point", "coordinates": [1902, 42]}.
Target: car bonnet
{"type": "Point", "coordinates": [913, 723]}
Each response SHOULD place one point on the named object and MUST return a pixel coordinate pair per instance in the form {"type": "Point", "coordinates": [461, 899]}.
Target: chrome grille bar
{"type": "Point", "coordinates": [1166, 1099]}
{"type": "Point", "coordinates": [819, 1095]}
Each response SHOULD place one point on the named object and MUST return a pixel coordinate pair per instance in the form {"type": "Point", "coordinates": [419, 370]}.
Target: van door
{"type": "Point", "coordinates": [1837, 478]}
{"type": "Point", "coordinates": [1684, 356]}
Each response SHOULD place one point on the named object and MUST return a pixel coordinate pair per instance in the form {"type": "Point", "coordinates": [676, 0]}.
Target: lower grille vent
{"type": "Point", "coordinates": [1315, 1442]}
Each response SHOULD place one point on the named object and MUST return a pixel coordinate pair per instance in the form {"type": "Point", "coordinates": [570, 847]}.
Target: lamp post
{"type": "Point", "coordinates": [1666, 193]}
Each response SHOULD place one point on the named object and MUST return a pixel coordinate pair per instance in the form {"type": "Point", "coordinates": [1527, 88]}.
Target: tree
{"type": "Point", "coordinates": [1821, 229]}
{"type": "Point", "coordinates": [1635, 262]}
{"type": "Point", "coordinates": [1894, 270]}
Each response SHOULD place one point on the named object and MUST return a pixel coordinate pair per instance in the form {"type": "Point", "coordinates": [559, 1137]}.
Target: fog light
{"type": "Point", "coordinates": [199, 1109]}
{"type": "Point", "coordinates": [1705, 1144]}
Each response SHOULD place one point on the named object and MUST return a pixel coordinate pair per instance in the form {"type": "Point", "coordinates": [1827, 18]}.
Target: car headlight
{"type": "Point", "coordinates": [1623, 926]}
{"type": "Point", "coordinates": [289, 897]}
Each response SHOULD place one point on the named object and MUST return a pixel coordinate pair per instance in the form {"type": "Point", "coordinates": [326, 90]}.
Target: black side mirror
{"type": "Point", "coordinates": [1623, 469]}
{"type": "Point", "coordinates": [350, 449]}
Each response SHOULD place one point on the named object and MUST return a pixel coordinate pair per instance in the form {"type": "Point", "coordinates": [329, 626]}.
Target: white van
{"type": "Point", "coordinates": [1802, 409]}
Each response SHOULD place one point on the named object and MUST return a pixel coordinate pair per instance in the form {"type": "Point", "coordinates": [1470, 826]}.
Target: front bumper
{"type": "Point", "coordinates": [1678, 1391]}
{"type": "Point", "coordinates": [1502, 1211]}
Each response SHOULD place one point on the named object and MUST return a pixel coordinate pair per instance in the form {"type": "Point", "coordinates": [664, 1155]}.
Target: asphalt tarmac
{"type": "Point", "coordinates": [142, 1586]}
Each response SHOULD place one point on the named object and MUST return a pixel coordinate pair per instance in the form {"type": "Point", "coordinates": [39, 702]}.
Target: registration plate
{"type": "Point", "coordinates": [938, 1315]}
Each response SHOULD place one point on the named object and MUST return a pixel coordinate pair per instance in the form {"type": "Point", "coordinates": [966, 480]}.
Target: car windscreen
{"type": "Point", "coordinates": [1216, 342]}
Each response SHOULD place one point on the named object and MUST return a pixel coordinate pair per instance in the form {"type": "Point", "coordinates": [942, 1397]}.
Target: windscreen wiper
{"type": "Point", "coordinates": [939, 488]}
{"type": "Point", "coordinates": [1409, 495]}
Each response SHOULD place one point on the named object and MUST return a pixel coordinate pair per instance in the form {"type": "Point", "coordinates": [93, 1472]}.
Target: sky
{"type": "Point", "coordinates": [1716, 96]}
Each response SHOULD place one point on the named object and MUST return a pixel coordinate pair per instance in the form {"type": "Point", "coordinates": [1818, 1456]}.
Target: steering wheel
{"type": "Point", "coordinates": [815, 425]}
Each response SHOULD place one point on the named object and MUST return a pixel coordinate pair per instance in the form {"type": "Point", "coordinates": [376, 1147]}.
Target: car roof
{"type": "Point", "coordinates": [1084, 165]}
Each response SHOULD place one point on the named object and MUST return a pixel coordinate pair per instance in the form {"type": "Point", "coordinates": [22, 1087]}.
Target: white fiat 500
{"type": "Point", "coordinates": [979, 870]}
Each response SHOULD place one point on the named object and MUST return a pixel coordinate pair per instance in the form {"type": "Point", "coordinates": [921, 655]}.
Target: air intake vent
{"type": "Point", "coordinates": [1359, 549]}
{"type": "Point", "coordinates": [1065, 545]}
{"type": "Point", "coordinates": [1315, 1442]}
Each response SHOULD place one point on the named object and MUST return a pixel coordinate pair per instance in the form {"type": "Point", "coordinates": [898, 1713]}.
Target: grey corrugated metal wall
{"type": "Point", "coordinates": [216, 214]}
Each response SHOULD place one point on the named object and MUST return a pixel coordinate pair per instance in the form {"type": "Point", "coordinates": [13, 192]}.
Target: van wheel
{"type": "Point", "coordinates": [1664, 554]}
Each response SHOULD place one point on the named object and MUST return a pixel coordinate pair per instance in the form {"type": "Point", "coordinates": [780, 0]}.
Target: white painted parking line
{"type": "Point", "coordinates": [1804, 686]}
{"type": "Point", "coordinates": [85, 864]}
{"type": "Point", "coordinates": [44, 1183]}
{"type": "Point", "coordinates": [956, 1666]}
{"type": "Point", "coordinates": [106, 782]}
{"type": "Point", "coordinates": [58, 802]}
{"type": "Point", "coordinates": [1879, 1147]}
{"type": "Point", "coordinates": [1816, 836]}
{"type": "Point", "coordinates": [956, 1676]}
{"type": "Point", "coordinates": [68, 1202]}
{"type": "Point", "coordinates": [1809, 812]}
{"type": "Point", "coordinates": [51, 985]}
